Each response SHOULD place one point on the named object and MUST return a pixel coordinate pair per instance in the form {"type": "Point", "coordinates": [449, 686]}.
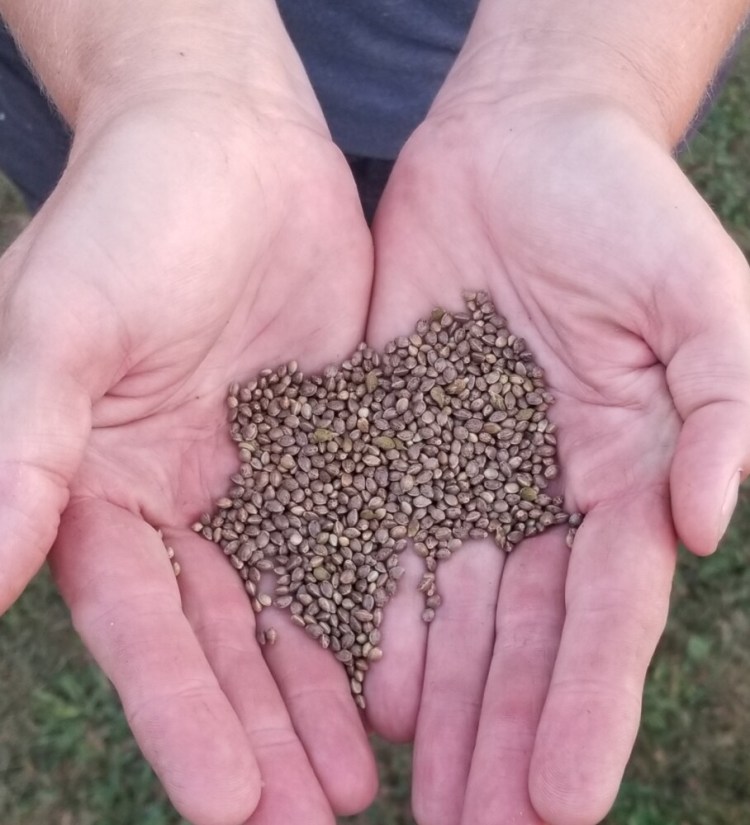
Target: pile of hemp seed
{"type": "Point", "coordinates": [441, 438]}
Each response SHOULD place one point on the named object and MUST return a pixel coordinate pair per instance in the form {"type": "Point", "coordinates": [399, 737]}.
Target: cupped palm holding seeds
{"type": "Point", "coordinates": [585, 233]}
{"type": "Point", "coordinates": [149, 281]}
{"type": "Point", "coordinates": [442, 438]}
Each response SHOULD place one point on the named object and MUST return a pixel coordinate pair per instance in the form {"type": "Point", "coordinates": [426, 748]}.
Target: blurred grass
{"type": "Point", "coordinates": [67, 758]}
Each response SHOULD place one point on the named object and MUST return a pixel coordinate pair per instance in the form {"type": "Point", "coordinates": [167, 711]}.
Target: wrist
{"type": "Point", "coordinates": [177, 53]}
{"type": "Point", "coordinates": [652, 60]}
{"type": "Point", "coordinates": [529, 70]}
{"type": "Point", "coordinates": [98, 58]}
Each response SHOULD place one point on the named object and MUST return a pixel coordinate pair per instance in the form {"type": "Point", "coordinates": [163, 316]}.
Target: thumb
{"type": "Point", "coordinates": [708, 373]}
{"type": "Point", "coordinates": [46, 419]}
{"type": "Point", "coordinates": [54, 345]}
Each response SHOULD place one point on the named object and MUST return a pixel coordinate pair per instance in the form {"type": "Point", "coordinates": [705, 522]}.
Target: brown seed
{"type": "Point", "coordinates": [271, 636]}
{"type": "Point", "coordinates": [528, 494]}
{"type": "Point", "coordinates": [440, 438]}
{"type": "Point", "coordinates": [287, 462]}
{"type": "Point", "coordinates": [438, 395]}
{"type": "Point", "coordinates": [375, 654]}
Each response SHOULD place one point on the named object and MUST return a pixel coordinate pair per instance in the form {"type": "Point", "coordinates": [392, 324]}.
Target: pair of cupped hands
{"type": "Point", "coordinates": [194, 240]}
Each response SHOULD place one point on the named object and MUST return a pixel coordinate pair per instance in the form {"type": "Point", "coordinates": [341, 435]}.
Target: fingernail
{"type": "Point", "coordinates": [730, 502]}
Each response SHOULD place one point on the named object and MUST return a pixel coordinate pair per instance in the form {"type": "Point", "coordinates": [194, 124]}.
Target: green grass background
{"type": "Point", "coordinates": [67, 758]}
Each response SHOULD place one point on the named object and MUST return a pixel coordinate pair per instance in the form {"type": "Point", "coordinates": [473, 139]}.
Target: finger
{"type": "Point", "coordinates": [46, 420]}
{"type": "Point", "coordinates": [394, 685]}
{"type": "Point", "coordinates": [617, 596]}
{"type": "Point", "coordinates": [219, 611]}
{"type": "Point", "coordinates": [114, 574]}
{"type": "Point", "coordinates": [530, 614]}
{"type": "Point", "coordinates": [459, 647]}
{"type": "Point", "coordinates": [316, 691]}
{"type": "Point", "coordinates": [706, 347]}
{"type": "Point", "coordinates": [713, 449]}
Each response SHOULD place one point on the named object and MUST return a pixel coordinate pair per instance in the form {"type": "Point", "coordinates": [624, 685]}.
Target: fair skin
{"type": "Point", "coordinates": [204, 212]}
{"type": "Point", "coordinates": [563, 202]}
{"type": "Point", "coordinates": [205, 227]}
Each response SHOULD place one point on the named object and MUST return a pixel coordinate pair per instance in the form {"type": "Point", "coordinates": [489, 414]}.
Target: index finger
{"type": "Point", "coordinates": [46, 420]}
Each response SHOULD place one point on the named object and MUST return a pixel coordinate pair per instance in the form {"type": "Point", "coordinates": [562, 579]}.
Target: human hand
{"type": "Point", "coordinates": [194, 239]}
{"type": "Point", "coordinates": [524, 693]}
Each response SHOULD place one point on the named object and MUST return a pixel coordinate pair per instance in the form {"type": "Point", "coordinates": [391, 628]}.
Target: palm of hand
{"type": "Point", "coordinates": [243, 268]}
{"type": "Point", "coordinates": [587, 237]}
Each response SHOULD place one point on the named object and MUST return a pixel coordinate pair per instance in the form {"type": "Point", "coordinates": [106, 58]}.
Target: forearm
{"type": "Point", "coordinates": [84, 50]}
{"type": "Point", "coordinates": [655, 58]}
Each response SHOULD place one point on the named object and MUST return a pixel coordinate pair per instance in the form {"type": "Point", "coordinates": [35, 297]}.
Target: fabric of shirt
{"type": "Point", "coordinates": [376, 65]}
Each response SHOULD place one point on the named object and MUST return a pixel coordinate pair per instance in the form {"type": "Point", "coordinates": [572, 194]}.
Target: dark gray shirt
{"type": "Point", "coordinates": [376, 65]}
